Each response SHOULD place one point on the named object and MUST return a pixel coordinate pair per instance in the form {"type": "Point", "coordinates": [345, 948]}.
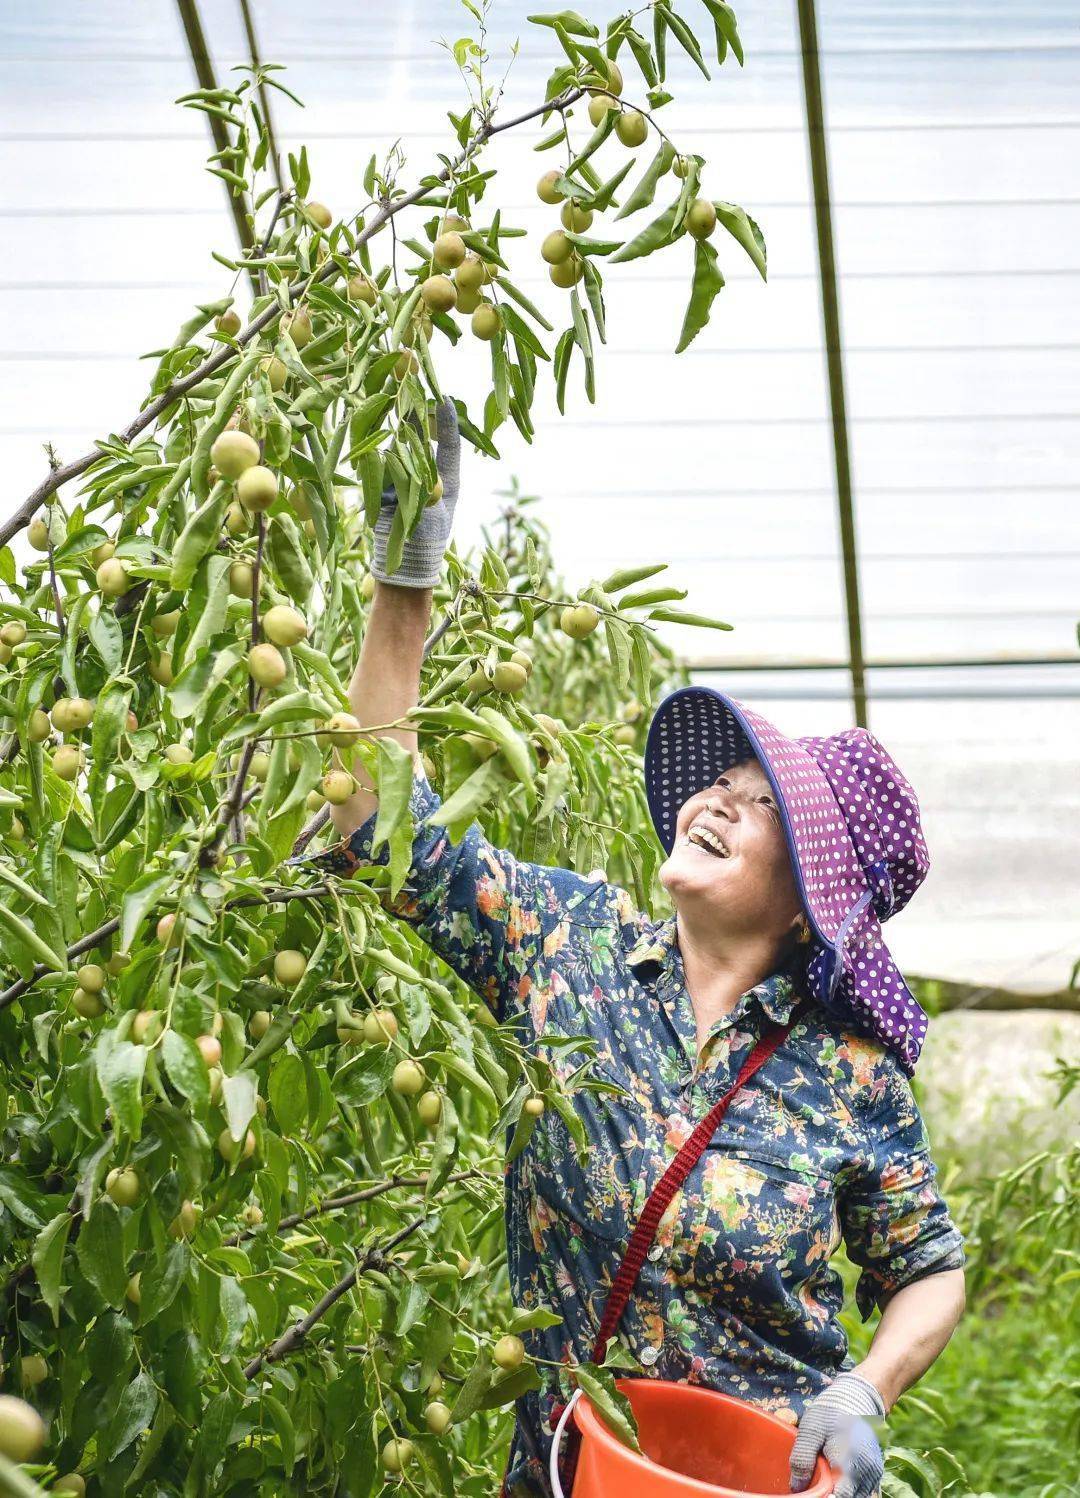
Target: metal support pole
{"type": "Point", "coordinates": [830, 307]}
{"type": "Point", "coordinates": [204, 72]}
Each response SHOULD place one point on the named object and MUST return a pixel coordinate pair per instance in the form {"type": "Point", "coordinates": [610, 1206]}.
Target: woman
{"type": "Point", "coordinates": [783, 855]}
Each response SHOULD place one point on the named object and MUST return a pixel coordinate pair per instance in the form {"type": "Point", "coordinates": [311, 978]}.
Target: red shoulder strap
{"type": "Point", "coordinates": [670, 1182]}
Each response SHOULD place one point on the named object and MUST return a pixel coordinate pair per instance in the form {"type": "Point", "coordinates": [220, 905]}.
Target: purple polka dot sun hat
{"type": "Point", "coordinates": [853, 831]}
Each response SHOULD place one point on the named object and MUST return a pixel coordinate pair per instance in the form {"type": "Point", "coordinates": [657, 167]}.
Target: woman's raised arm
{"type": "Point", "coordinates": [386, 682]}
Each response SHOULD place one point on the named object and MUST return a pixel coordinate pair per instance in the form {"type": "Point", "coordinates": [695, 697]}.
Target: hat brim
{"type": "Point", "coordinates": [696, 734]}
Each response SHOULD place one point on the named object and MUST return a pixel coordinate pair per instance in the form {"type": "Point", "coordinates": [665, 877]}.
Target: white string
{"type": "Point", "coordinates": [556, 1443]}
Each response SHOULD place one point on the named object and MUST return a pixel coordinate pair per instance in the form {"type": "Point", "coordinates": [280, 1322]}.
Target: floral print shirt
{"type": "Point", "coordinates": [824, 1144]}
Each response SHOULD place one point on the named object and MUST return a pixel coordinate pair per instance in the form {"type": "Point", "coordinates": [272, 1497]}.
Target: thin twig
{"type": "Point", "coordinates": [350, 1199]}
{"type": "Point", "coordinates": [315, 826]}
{"type": "Point", "coordinates": [215, 361]}
{"type": "Point", "coordinates": [279, 896]}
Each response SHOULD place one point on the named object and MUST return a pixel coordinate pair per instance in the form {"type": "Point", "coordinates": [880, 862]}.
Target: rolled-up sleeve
{"type": "Point", "coordinates": [480, 908]}
{"type": "Point", "coordinates": [895, 1222]}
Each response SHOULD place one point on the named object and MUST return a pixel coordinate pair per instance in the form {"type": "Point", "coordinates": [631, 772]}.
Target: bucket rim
{"type": "Point", "coordinates": [590, 1423]}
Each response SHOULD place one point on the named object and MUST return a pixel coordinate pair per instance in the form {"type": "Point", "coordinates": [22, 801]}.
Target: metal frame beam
{"type": "Point", "coordinates": [830, 307]}
{"type": "Point", "coordinates": [204, 72]}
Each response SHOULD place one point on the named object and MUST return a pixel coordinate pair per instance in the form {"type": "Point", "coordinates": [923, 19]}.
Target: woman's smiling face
{"type": "Point", "coordinates": [730, 859]}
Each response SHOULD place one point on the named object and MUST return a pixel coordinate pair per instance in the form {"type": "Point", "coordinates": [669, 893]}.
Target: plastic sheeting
{"type": "Point", "coordinates": [953, 132]}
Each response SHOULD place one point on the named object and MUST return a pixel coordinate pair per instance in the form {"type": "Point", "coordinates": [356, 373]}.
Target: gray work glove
{"type": "Point", "coordinates": [422, 557]}
{"type": "Point", "coordinates": [832, 1426]}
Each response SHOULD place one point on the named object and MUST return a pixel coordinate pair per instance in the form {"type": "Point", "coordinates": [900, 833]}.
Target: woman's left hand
{"type": "Point", "coordinates": [833, 1425]}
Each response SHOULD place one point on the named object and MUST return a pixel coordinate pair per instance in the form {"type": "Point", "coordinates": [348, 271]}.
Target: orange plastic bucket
{"type": "Point", "coordinates": [697, 1444]}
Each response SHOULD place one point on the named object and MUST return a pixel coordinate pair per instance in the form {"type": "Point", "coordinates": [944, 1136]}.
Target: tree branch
{"type": "Point", "coordinates": [375, 1258]}
{"type": "Point", "coordinates": [350, 1199]}
{"type": "Point", "coordinates": [84, 944]}
{"type": "Point", "coordinates": [276, 896]}
{"type": "Point", "coordinates": [217, 360]}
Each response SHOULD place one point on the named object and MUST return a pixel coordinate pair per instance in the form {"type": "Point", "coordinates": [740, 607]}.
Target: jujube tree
{"type": "Point", "coordinates": [253, 1134]}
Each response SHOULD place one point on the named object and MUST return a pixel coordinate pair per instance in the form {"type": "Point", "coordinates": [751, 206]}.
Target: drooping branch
{"type": "Point", "coordinates": [267, 318]}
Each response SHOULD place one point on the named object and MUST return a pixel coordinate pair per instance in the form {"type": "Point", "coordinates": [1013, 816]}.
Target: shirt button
{"type": "Point", "coordinates": [656, 1253]}
{"type": "Point", "coordinates": [649, 1356]}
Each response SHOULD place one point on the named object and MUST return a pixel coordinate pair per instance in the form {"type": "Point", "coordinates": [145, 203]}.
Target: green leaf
{"type": "Point", "coordinates": [139, 900]}
{"type": "Point", "coordinates": [708, 282]}
{"type": "Point", "coordinates": [612, 1406]}
{"type": "Point", "coordinates": [99, 1249]}
{"type": "Point", "coordinates": [537, 1319]}
{"type": "Point", "coordinates": [120, 1066]}
{"type": "Point", "coordinates": [186, 1067]}
{"type": "Point", "coordinates": [563, 350]}
{"type": "Point", "coordinates": [239, 1095]}
{"type": "Point", "coordinates": [642, 56]}
{"type": "Point", "coordinates": [595, 141]}
{"type": "Point", "coordinates": [25, 1203]}
{"type": "Point", "coordinates": [199, 535]}
{"type": "Point", "coordinates": [110, 720]}
{"type": "Point", "coordinates": [458, 812]}
{"type": "Point", "coordinates": [654, 236]}
{"type": "Point", "coordinates": [468, 1074]}
{"type": "Point", "coordinates": [445, 1151]}
{"type": "Point", "coordinates": [15, 1483]}
{"type": "Point", "coordinates": [618, 643]}
{"type": "Point", "coordinates": [215, 602]}
{"type": "Point", "coordinates": [626, 576]}
{"type": "Point", "coordinates": [569, 20]}
{"type": "Point", "coordinates": [198, 680]}
{"type": "Point", "coordinates": [283, 1428]}
{"type": "Point", "coordinates": [649, 596]}
{"type": "Point", "coordinates": [160, 1281]}
{"type": "Point", "coordinates": [506, 1390]}
{"type": "Point", "coordinates": [288, 1095]}
{"type": "Point", "coordinates": [472, 1391]}
{"type": "Point", "coordinates": [133, 1414]}
{"type": "Point", "coordinates": [48, 1260]}
{"type": "Point", "coordinates": [393, 825]}
{"type": "Point", "coordinates": [604, 196]}
{"type": "Point", "coordinates": [370, 469]}
{"type": "Point", "coordinates": [366, 1078]}
{"type": "Point", "coordinates": [644, 193]}
{"type": "Point", "coordinates": [727, 30]}
{"type": "Point", "coordinates": [107, 638]}
{"type": "Point", "coordinates": [679, 616]}
{"type": "Point", "coordinates": [42, 951]}
{"type": "Point", "coordinates": [686, 39]}
{"type": "Point", "coordinates": [523, 301]}
{"type": "Point", "coordinates": [287, 555]}
{"type": "Point", "coordinates": [742, 228]}
{"type": "Point", "coordinates": [513, 746]}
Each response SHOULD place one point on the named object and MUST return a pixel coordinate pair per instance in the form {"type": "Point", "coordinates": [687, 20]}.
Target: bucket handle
{"type": "Point", "coordinates": [556, 1445]}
